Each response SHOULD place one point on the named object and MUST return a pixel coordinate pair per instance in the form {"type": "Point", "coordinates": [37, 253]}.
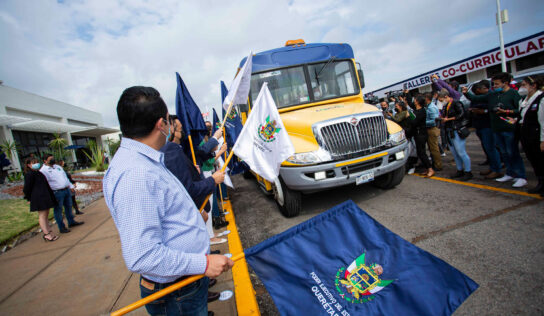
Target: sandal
{"type": "Point", "coordinates": [52, 237]}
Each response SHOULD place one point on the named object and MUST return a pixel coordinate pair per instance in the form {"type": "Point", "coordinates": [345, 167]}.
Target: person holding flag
{"type": "Point", "coordinates": [163, 237]}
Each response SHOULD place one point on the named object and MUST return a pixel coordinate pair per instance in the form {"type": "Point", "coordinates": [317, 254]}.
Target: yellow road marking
{"type": "Point", "coordinates": [484, 187]}
{"type": "Point", "coordinates": [360, 160]}
{"type": "Point", "coordinates": [246, 303]}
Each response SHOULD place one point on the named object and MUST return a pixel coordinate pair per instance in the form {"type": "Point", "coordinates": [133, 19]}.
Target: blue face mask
{"type": "Point", "coordinates": [36, 166]}
{"type": "Point", "coordinates": [499, 89]}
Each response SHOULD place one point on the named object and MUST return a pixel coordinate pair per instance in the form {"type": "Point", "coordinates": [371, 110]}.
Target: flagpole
{"type": "Point", "coordinates": [222, 169]}
{"type": "Point", "coordinates": [163, 292]}
{"type": "Point", "coordinates": [192, 149]}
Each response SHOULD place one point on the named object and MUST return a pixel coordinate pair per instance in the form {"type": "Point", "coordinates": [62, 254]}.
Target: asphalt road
{"type": "Point", "coordinates": [493, 237]}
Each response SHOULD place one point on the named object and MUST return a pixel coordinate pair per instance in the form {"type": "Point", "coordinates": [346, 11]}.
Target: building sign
{"type": "Point", "coordinates": [512, 51]}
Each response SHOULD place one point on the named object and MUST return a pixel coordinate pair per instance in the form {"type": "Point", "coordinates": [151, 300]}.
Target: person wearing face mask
{"type": "Point", "coordinates": [503, 104]}
{"type": "Point", "coordinates": [61, 186]}
{"type": "Point", "coordinates": [37, 191]}
{"type": "Point", "coordinates": [163, 236]}
{"type": "Point", "coordinates": [481, 122]}
{"type": "Point", "coordinates": [532, 127]}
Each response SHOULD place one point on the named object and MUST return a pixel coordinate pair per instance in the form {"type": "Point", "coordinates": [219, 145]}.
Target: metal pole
{"type": "Point", "coordinates": [499, 20]}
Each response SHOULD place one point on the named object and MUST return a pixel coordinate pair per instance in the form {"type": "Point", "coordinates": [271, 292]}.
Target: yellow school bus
{"type": "Point", "coordinates": [338, 139]}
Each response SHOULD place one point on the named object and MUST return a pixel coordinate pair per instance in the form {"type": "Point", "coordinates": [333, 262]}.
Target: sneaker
{"type": "Point", "coordinates": [411, 170]}
{"type": "Point", "coordinates": [467, 176]}
{"type": "Point", "coordinates": [457, 174]}
{"type": "Point", "coordinates": [520, 182]}
{"type": "Point", "coordinates": [504, 179]}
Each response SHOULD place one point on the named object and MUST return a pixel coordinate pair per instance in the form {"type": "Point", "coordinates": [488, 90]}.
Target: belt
{"type": "Point", "coordinates": [166, 284]}
{"type": "Point", "coordinates": [60, 189]}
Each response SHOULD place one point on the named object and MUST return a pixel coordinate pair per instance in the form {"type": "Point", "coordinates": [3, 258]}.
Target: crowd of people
{"type": "Point", "coordinates": [503, 113]}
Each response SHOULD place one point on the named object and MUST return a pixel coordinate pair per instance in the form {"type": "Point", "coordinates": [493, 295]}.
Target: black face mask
{"type": "Point", "coordinates": [52, 161]}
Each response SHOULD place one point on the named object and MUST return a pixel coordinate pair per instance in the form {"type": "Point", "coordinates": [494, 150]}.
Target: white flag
{"type": "Point", "coordinates": [227, 180]}
{"type": "Point", "coordinates": [263, 142]}
{"type": "Point", "coordinates": [239, 88]}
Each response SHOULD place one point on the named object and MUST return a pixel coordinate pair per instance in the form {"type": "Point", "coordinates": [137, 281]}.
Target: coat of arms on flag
{"type": "Point", "coordinates": [268, 129]}
{"type": "Point", "coordinates": [359, 281]}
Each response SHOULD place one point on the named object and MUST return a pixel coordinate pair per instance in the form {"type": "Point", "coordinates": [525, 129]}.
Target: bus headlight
{"type": "Point", "coordinates": [397, 138]}
{"type": "Point", "coordinates": [311, 157]}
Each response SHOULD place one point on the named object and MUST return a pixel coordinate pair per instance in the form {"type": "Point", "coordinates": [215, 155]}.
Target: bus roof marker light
{"type": "Point", "coordinates": [295, 43]}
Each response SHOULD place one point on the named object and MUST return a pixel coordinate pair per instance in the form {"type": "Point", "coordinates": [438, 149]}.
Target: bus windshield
{"type": "Point", "coordinates": [307, 83]}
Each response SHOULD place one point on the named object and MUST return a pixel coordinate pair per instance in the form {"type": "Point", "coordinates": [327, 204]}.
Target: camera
{"type": "Point", "coordinates": [497, 107]}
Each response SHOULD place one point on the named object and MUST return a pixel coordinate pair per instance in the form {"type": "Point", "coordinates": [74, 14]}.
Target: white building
{"type": "Point", "coordinates": [31, 120]}
{"type": "Point", "coordinates": [522, 56]}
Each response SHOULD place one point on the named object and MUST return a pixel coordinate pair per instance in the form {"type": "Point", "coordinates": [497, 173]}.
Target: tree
{"type": "Point", "coordinates": [57, 144]}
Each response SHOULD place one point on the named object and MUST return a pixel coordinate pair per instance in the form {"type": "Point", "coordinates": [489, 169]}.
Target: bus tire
{"type": "Point", "coordinates": [390, 180]}
{"type": "Point", "coordinates": [289, 201]}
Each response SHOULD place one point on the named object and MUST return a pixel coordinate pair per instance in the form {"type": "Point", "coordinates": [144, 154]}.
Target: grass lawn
{"type": "Point", "coordinates": [16, 218]}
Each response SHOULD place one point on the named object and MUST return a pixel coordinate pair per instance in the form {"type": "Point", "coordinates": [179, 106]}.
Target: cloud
{"type": "Point", "coordinates": [87, 52]}
{"type": "Point", "coordinates": [470, 35]}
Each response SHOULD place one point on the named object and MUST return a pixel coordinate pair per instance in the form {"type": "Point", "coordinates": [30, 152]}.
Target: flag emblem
{"type": "Point", "coordinates": [268, 129]}
{"type": "Point", "coordinates": [232, 114]}
{"type": "Point", "coordinates": [358, 282]}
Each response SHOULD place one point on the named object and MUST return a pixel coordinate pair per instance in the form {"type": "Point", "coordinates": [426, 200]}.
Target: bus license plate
{"type": "Point", "coordinates": [365, 177]}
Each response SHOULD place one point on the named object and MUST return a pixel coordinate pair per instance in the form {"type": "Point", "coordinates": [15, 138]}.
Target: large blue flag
{"type": "Point", "coordinates": [189, 113]}
{"type": "Point", "coordinates": [343, 262]}
{"type": "Point", "coordinates": [233, 127]}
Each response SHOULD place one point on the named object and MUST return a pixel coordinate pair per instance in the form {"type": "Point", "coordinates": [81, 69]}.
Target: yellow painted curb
{"type": "Point", "coordinates": [246, 302]}
{"type": "Point", "coordinates": [481, 186]}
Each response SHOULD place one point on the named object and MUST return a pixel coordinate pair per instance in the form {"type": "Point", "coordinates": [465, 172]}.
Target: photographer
{"type": "Point", "coordinates": [503, 104]}
{"type": "Point", "coordinates": [385, 109]}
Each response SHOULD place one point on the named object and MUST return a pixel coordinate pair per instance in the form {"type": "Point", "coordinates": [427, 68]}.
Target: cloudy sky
{"type": "Point", "coordinates": [86, 52]}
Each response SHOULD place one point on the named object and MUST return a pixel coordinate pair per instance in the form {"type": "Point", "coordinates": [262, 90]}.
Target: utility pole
{"type": "Point", "coordinates": [501, 18]}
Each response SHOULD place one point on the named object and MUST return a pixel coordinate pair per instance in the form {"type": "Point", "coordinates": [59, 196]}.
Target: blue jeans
{"type": "Point", "coordinates": [191, 300]}
{"type": "Point", "coordinates": [509, 148]}
{"type": "Point", "coordinates": [64, 198]}
{"type": "Point", "coordinates": [488, 142]}
{"type": "Point", "coordinates": [462, 160]}
{"type": "Point", "coordinates": [215, 203]}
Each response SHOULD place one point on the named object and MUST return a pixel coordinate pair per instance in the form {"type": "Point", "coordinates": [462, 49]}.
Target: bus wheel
{"type": "Point", "coordinates": [288, 201]}
{"type": "Point", "coordinates": [390, 180]}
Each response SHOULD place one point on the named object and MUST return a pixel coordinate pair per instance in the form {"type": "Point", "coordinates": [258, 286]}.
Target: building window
{"type": "Point", "coordinates": [32, 143]}
{"type": "Point", "coordinates": [493, 70]}
{"type": "Point", "coordinates": [530, 61]}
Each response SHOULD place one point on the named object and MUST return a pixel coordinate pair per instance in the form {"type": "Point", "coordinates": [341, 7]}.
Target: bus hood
{"type": "Point", "coordinates": [299, 122]}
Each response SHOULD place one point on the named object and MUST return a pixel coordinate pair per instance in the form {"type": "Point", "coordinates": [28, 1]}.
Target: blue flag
{"type": "Point", "coordinates": [216, 123]}
{"type": "Point", "coordinates": [343, 262]}
{"type": "Point", "coordinates": [189, 113]}
{"type": "Point", "coordinates": [233, 127]}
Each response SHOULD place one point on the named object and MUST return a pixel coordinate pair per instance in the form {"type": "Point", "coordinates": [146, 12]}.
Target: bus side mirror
{"type": "Point", "coordinates": [361, 77]}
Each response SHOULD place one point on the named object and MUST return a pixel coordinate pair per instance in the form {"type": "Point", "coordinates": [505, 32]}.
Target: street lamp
{"type": "Point", "coordinates": [502, 17]}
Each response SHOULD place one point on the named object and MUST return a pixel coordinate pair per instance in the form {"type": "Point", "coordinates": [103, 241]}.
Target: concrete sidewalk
{"type": "Point", "coordinates": [82, 273]}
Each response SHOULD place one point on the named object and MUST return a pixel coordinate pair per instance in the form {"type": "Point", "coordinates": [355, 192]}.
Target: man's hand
{"type": "Point", "coordinates": [218, 134]}
{"type": "Point", "coordinates": [464, 90]}
{"type": "Point", "coordinates": [218, 176]}
{"type": "Point", "coordinates": [541, 146]}
{"type": "Point", "coordinates": [197, 168]}
{"type": "Point", "coordinates": [217, 264]}
{"type": "Point", "coordinates": [204, 216]}
{"type": "Point", "coordinates": [435, 76]}
{"type": "Point", "coordinates": [223, 148]}
{"type": "Point", "coordinates": [477, 111]}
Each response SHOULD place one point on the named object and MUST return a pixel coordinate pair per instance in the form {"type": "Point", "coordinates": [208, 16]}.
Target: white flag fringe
{"type": "Point", "coordinates": [239, 88]}
{"type": "Point", "coordinates": [263, 142]}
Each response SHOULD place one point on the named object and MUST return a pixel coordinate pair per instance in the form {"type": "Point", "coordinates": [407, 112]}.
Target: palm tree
{"type": "Point", "coordinates": [57, 144]}
{"type": "Point", "coordinates": [8, 147]}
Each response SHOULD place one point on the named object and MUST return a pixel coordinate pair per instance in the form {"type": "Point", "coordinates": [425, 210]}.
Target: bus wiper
{"type": "Point", "coordinates": [320, 70]}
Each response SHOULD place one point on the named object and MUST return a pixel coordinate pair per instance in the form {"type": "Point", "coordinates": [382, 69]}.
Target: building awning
{"type": "Point", "coordinates": [10, 119]}
{"type": "Point", "coordinates": [96, 131]}
{"type": "Point", "coordinates": [42, 126]}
